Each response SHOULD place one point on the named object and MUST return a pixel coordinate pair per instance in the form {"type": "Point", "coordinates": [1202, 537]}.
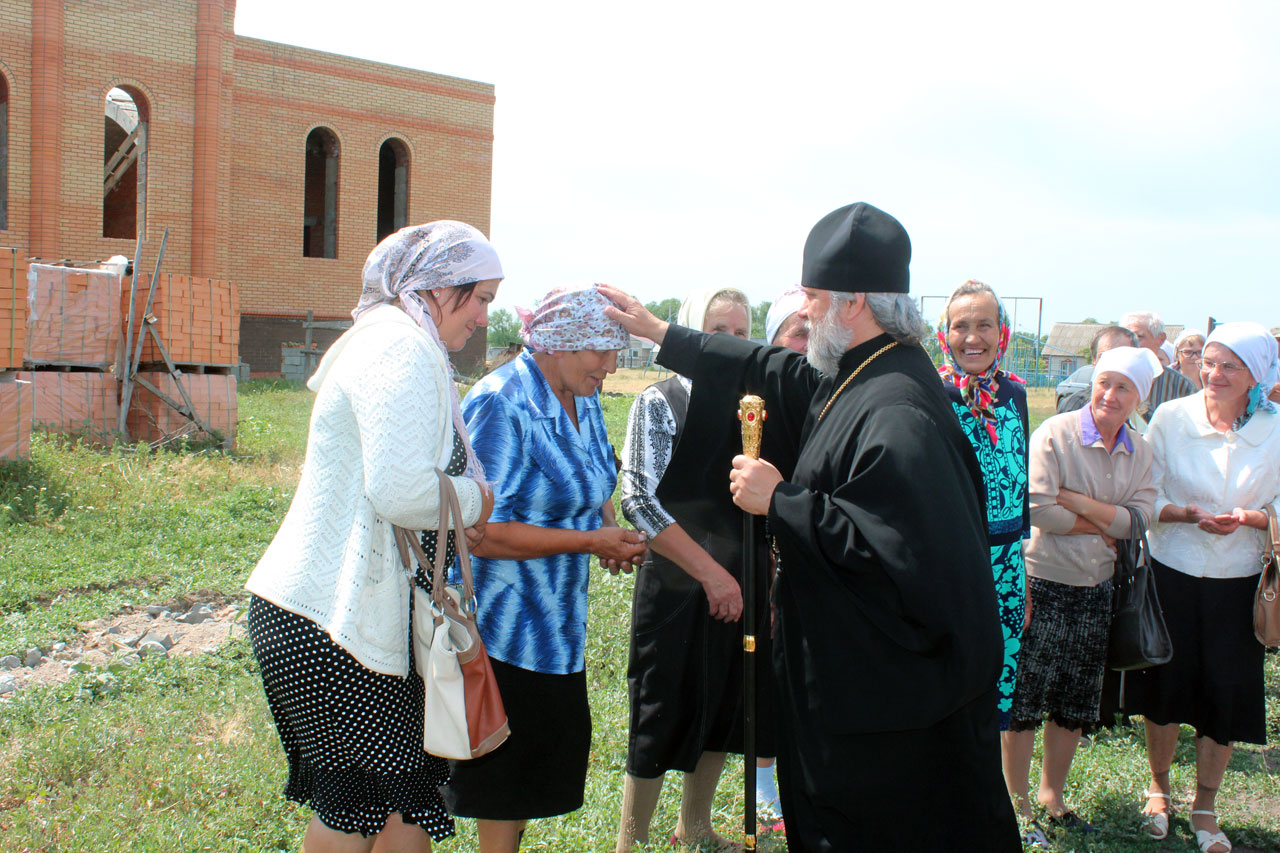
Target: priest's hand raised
{"type": "Point", "coordinates": [751, 482]}
{"type": "Point", "coordinates": [633, 316]}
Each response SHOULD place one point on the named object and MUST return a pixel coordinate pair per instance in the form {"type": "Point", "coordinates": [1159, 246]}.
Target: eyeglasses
{"type": "Point", "coordinates": [1228, 368]}
{"type": "Point", "coordinates": [1190, 353]}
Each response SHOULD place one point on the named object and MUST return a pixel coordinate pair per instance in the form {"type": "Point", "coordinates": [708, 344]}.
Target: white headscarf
{"type": "Point", "coordinates": [1169, 352]}
{"type": "Point", "coordinates": [429, 257]}
{"type": "Point", "coordinates": [1184, 335]}
{"type": "Point", "coordinates": [1255, 347]}
{"type": "Point", "coordinates": [693, 311]}
{"type": "Point", "coordinates": [786, 305]}
{"type": "Point", "coordinates": [1139, 364]}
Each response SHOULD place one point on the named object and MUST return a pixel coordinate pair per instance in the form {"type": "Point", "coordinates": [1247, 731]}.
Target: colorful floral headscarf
{"type": "Point", "coordinates": [570, 319]}
{"type": "Point", "coordinates": [978, 391]}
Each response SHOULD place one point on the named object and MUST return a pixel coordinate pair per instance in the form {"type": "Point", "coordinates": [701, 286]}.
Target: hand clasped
{"type": "Point", "coordinates": [752, 482]}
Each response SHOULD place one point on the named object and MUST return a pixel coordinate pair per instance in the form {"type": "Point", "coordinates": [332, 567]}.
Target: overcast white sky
{"type": "Point", "coordinates": [1105, 156]}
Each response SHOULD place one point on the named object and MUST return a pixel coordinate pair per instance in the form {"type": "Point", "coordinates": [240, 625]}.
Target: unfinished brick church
{"type": "Point", "coordinates": [273, 166]}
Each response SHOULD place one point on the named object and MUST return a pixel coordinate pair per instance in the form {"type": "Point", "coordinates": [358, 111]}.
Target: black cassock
{"type": "Point", "coordinates": [887, 643]}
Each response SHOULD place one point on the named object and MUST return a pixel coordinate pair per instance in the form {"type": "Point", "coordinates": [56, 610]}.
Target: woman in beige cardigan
{"type": "Point", "coordinates": [1086, 472]}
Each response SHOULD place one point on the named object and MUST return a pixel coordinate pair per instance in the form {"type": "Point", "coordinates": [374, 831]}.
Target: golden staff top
{"type": "Point", "coordinates": [752, 415]}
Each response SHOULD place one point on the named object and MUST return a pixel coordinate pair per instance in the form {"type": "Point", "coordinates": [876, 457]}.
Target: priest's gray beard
{"type": "Point", "coordinates": [828, 341]}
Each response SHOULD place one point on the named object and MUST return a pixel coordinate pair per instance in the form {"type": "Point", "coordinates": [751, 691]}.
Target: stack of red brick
{"type": "Point", "coordinates": [65, 328]}
{"type": "Point", "coordinates": [198, 320]}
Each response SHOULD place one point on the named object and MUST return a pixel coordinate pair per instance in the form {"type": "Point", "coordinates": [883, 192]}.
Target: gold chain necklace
{"type": "Point", "coordinates": [845, 384]}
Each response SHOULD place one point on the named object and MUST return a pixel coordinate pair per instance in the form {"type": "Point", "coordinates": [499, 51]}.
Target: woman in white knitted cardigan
{"type": "Point", "coordinates": [330, 614]}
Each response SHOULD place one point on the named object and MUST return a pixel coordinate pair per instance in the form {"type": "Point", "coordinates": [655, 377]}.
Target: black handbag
{"type": "Point", "coordinates": [1138, 638]}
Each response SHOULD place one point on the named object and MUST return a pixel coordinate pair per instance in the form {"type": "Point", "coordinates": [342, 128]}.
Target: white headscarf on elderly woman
{"type": "Point", "coordinates": [786, 305]}
{"type": "Point", "coordinates": [429, 257]}
{"type": "Point", "coordinates": [1254, 346]}
{"type": "Point", "coordinates": [693, 311]}
{"type": "Point", "coordinates": [1139, 364]}
{"type": "Point", "coordinates": [570, 319]}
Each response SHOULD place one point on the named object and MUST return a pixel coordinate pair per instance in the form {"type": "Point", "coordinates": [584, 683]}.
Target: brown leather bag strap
{"type": "Point", "coordinates": [451, 508]}
{"type": "Point", "coordinates": [1273, 526]}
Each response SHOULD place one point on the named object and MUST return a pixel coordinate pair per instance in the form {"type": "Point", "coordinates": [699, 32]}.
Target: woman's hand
{"type": "Point", "coordinates": [1256, 518]}
{"type": "Point", "coordinates": [475, 535]}
{"type": "Point", "coordinates": [1219, 525]}
{"type": "Point", "coordinates": [724, 596]}
{"type": "Point", "coordinates": [633, 316]}
{"type": "Point", "coordinates": [1026, 619]}
{"type": "Point", "coordinates": [1070, 500]}
{"type": "Point", "coordinates": [620, 545]}
{"type": "Point", "coordinates": [752, 483]}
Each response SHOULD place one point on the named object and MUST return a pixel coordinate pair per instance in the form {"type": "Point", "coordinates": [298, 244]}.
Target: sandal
{"type": "Point", "coordinates": [1069, 820]}
{"type": "Point", "coordinates": [1035, 839]}
{"type": "Point", "coordinates": [1155, 825]}
{"type": "Point", "coordinates": [1207, 839]}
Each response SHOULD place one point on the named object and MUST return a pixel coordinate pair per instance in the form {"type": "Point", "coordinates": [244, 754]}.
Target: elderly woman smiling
{"type": "Point", "coordinates": [992, 407]}
{"type": "Point", "coordinates": [537, 426]}
{"type": "Point", "coordinates": [1087, 473]}
{"type": "Point", "coordinates": [1218, 465]}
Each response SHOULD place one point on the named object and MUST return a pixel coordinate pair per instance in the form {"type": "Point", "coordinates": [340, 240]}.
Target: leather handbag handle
{"type": "Point", "coordinates": [450, 519]}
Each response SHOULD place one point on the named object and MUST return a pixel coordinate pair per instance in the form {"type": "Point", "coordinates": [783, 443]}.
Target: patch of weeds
{"type": "Point", "coordinates": [31, 492]}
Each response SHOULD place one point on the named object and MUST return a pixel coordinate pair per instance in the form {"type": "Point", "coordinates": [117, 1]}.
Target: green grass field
{"type": "Point", "coordinates": [183, 756]}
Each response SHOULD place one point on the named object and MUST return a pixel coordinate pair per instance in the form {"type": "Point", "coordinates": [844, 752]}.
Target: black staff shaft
{"type": "Point", "coordinates": [749, 677]}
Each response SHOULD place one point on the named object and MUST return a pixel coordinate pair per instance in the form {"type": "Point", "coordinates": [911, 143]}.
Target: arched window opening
{"type": "Point", "coordinates": [124, 171]}
{"type": "Point", "coordinates": [320, 201]}
{"type": "Point", "coordinates": [393, 187]}
{"type": "Point", "coordinates": [4, 153]}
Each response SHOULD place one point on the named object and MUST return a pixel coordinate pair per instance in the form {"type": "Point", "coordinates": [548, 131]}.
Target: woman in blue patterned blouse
{"type": "Point", "coordinates": [992, 407]}
{"type": "Point", "coordinates": [537, 427]}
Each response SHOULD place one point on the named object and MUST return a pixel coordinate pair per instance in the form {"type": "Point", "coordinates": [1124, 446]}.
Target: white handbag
{"type": "Point", "coordinates": [463, 715]}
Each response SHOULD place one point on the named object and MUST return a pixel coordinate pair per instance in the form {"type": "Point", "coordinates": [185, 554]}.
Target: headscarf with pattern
{"type": "Point", "coordinates": [429, 257]}
{"type": "Point", "coordinates": [570, 319]}
{"type": "Point", "coordinates": [978, 391]}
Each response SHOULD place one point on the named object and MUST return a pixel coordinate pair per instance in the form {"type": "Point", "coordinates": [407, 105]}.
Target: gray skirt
{"type": "Point", "coordinates": [1063, 656]}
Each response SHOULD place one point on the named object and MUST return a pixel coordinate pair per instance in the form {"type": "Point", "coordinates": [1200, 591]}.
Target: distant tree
{"type": "Point", "coordinates": [758, 315]}
{"type": "Point", "coordinates": [1093, 320]}
{"type": "Point", "coordinates": [504, 328]}
{"type": "Point", "coordinates": [667, 309]}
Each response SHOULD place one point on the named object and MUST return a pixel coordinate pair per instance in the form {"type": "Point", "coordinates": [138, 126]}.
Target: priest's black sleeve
{"type": "Point", "coordinates": [722, 369]}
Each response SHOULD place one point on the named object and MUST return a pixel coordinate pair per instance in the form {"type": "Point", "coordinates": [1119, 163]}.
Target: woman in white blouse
{"type": "Point", "coordinates": [1217, 456]}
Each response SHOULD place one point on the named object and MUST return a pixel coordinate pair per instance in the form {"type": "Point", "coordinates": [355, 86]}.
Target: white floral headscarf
{"type": "Point", "coordinates": [570, 319]}
{"type": "Point", "coordinates": [429, 257]}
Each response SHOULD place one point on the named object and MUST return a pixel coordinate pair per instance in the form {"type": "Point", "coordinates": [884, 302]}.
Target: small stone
{"type": "Point", "coordinates": [10, 662]}
{"type": "Point", "coordinates": [7, 685]}
{"type": "Point", "coordinates": [59, 647]}
{"type": "Point", "coordinates": [132, 641]}
{"type": "Point", "coordinates": [114, 629]}
{"type": "Point", "coordinates": [157, 610]}
{"type": "Point", "coordinates": [150, 647]}
{"type": "Point", "coordinates": [131, 659]}
{"type": "Point", "coordinates": [33, 658]}
{"type": "Point", "coordinates": [163, 640]}
{"type": "Point", "coordinates": [195, 617]}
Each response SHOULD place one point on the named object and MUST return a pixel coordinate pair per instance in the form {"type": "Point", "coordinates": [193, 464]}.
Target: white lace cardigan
{"type": "Point", "coordinates": [379, 428]}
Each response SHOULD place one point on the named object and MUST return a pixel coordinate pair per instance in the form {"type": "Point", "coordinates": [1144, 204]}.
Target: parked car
{"type": "Point", "coordinates": [1081, 379]}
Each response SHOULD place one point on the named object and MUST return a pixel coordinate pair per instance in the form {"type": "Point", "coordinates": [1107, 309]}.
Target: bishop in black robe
{"type": "Point", "coordinates": [887, 643]}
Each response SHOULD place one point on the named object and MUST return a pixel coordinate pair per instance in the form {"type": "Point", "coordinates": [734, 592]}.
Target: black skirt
{"type": "Point", "coordinates": [685, 670]}
{"type": "Point", "coordinates": [1215, 680]}
{"type": "Point", "coordinates": [1063, 655]}
{"type": "Point", "coordinates": [541, 769]}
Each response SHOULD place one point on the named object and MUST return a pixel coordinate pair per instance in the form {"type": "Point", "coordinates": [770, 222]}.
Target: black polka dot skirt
{"type": "Point", "coordinates": [352, 736]}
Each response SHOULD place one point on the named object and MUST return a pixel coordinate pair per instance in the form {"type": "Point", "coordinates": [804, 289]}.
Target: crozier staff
{"type": "Point", "coordinates": [887, 645]}
{"type": "Point", "coordinates": [686, 608]}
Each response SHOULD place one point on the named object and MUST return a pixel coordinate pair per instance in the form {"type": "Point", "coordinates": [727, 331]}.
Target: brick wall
{"type": "Point", "coordinates": [229, 118]}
